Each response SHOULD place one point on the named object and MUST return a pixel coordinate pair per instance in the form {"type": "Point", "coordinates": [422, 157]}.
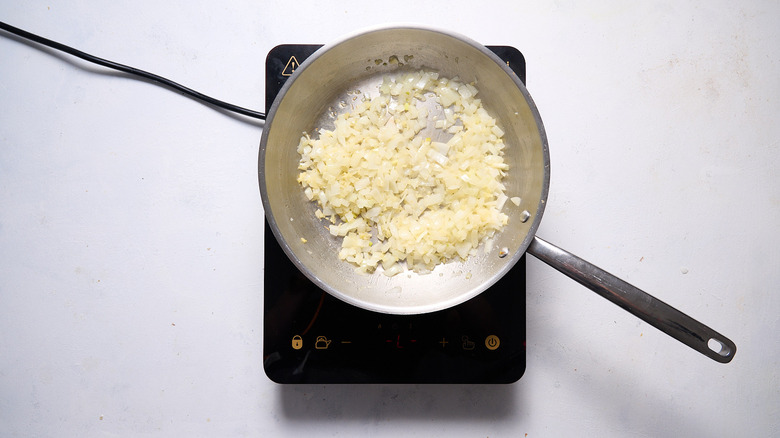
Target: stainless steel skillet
{"type": "Point", "coordinates": [327, 81]}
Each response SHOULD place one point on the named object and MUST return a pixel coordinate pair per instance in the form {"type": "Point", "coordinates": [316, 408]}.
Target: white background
{"type": "Point", "coordinates": [131, 239]}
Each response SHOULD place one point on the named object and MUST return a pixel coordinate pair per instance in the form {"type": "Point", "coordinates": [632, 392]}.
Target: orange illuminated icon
{"type": "Point", "coordinates": [322, 343]}
{"type": "Point", "coordinates": [492, 342]}
{"type": "Point", "coordinates": [297, 342]}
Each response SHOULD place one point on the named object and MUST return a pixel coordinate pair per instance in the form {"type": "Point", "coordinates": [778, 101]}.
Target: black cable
{"type": "Point", "coordinates": [132, 71]}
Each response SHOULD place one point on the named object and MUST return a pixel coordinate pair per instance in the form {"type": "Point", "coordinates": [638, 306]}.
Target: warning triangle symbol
{"type": "Point", "coordinates": [289, 69]}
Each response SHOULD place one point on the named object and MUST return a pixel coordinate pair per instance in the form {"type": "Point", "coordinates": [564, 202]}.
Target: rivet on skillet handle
{"type": "Point", "coordinates": [643, 305]}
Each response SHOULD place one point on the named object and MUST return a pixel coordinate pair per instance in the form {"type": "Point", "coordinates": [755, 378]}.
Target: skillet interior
{"type": "Point", "coordinates": [357, 63]}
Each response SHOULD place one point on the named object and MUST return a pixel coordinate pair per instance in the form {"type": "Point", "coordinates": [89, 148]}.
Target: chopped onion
{"type": "Point", "coordinates": [397, 198]}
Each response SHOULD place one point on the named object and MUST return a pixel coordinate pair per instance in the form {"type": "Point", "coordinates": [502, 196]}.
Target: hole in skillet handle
{"type": "Point", "coordinates": [719, 347]}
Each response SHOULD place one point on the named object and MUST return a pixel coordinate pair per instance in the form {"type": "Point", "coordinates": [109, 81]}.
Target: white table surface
{"type": "Point", "coordinates": [131, 239]}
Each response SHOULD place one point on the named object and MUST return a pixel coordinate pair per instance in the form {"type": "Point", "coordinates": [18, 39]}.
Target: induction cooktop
{"type": "Point", "coordinates": [312, 337]}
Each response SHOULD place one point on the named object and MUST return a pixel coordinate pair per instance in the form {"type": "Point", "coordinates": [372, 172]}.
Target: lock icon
{"type": "Point", "coordinates": [297, 342]}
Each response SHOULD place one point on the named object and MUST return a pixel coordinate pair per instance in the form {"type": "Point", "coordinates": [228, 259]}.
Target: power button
{"type": "Point", "coordinates": [492, 342]}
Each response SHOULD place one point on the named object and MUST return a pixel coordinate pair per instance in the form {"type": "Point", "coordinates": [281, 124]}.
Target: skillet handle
{"type": "Point", "coordinates": [643, 305]}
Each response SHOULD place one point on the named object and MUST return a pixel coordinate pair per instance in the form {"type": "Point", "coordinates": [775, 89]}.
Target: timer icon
{"type": "Point", "coordinates": [492, 342]}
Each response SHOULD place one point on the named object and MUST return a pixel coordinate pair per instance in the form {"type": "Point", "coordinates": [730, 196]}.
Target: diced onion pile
{"type": "Point", "coordinates": [397, 197]}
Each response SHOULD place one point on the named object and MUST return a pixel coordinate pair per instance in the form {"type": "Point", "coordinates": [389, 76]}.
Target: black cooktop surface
{"type": "Point", "coordinates": [311, 337]}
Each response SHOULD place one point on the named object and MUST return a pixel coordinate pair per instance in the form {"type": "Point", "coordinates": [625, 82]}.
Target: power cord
{"type": "Point", "coordinates": [131, 70]}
